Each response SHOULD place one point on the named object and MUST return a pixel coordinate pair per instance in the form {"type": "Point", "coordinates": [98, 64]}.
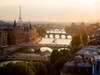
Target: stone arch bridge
{"type": "Point", "coordinates": [52, 46]}
{"type": "Point", "coordinates": [59, 34]}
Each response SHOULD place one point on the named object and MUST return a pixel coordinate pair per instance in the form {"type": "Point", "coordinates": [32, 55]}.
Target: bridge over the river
{"type": "Point", "coordinates": [52, 46]}
{"type": "Point", "coordinates": [60, 33]}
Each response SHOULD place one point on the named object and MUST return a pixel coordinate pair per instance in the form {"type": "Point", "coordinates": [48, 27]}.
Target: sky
{"type": "Point", "coordinates": [51, 10]}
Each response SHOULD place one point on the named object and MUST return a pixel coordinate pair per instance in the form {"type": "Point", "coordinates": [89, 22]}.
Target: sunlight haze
{"type": "Point", "coordinates": [51, 10]}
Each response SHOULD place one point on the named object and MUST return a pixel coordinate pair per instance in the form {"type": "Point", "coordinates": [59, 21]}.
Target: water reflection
{"type": "Point", "coordinates": [46, 36]}
{"type": "Point", "coordinates": [51, 36]}
{"type": "Point", "coordinates": [62, 49]}
{"type": "Point", "coordinates": [59, 39]}
{"type": "Point", "coordinates": [46, 49]}
{"type": "Point", "coordinates": [69, 37]}
{"type": "Point", "coordinates": [63, 37]}
{"type": "Point", "coordinates": [57, 36]}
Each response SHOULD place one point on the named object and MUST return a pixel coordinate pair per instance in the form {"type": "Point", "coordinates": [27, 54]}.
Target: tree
{"type": "Point", "coordinates": [40, 68]}
{"type": "Point", "coordinates": [59, 64]}
{"type": "Point", "coordinates": [48, 67]}
{"type": "Point", "coordinates": [23, 68]}
{"type": "Point", "coordinates": [84, 38]}
{"type": "Point", "coordinates": [19, 68]}
{"type": "Point", "coordinates": [41, 31]}
{"type": "Point", "coordinates": [55, 56]}
{"type": "Point", "coordinates": [74, 49]}
{"type": "Point", "coordinates": [65, 53]}
{"type": "Point", "coordinates": [76, 41]}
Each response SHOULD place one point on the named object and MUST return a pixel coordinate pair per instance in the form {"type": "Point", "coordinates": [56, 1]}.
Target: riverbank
{"type": "Point", "coordinates": [37, 40]}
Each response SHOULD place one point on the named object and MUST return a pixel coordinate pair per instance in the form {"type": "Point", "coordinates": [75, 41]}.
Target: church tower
{"type": "Point", "coordinates": [20, 18]}
{"type": "Point", "coordinates": [14, 25]}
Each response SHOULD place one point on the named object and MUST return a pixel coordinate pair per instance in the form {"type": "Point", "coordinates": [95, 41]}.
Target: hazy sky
{"type": "Point", "coordinates": [51, 10]}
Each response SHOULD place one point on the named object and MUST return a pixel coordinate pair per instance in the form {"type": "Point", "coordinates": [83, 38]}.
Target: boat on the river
{"type": "Point", "coordinates": [54, 41]}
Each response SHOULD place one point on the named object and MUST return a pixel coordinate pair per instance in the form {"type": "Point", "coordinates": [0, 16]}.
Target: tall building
{"type": "Point", "coordinates": [14, 25]}
{"type": "Point", "coordinates": [3, 38]}
{"type": "Point", "coordinates": [19, 34]}
{"type": "Point", "coordinates": [20, 17]}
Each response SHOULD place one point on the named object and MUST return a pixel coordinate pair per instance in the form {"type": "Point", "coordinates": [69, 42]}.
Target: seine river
{"type": "Point", "coordinates": [51, 40]}
{"type": "Point", "coordinates": [57, 39]}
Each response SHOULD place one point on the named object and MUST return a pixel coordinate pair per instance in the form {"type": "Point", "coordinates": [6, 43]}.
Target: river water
{"type": "Point", "coordinates": [46, 40]}
{"type": "Point", "coordinates": [57, 40]}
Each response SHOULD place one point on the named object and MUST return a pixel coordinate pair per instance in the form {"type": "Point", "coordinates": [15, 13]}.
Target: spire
{"type": "Point", "coordinates": [30, 26]}
{"type": "Point", "coordinates": [19, 12]}
{"type": "Point", "coordinates": [14, 25]}
{"type": "Point", "coordinates": [20, 18]}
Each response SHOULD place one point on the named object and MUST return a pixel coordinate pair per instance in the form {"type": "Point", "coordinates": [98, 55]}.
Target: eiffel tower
{"type": "Point", "coordinates": [20, 18]}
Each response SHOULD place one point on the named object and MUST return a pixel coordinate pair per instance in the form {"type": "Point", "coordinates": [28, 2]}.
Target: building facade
{"type": "Point", "coordinates": [3, 38]}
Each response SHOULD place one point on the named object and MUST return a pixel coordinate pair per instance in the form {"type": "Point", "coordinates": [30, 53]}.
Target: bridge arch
{"type": "Point", "coordinates": [57, 36]}
{"type": "Point", "coordinates": [63, 36]}
{"type": "Point", "coordinates": [51, 36]}
{"type": "Point", "coordinates": [46, 36]}
{"type": "Point", "coordinates": [69, 36]}
{"type": "Point", "coordinates": [62, 49]}
{"type": "Point", "coordinates": [46, 49]}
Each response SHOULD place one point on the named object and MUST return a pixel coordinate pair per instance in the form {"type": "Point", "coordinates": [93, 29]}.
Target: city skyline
{"type": "Point", "coordinates": [51, 10]}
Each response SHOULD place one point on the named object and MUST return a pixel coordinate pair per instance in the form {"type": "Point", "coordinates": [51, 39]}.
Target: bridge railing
{"type": "Point", "coordinates": [54, 45]}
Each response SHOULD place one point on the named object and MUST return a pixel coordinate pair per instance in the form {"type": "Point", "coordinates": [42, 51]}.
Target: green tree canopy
{"type": "Point", "coordinates": [84, 38]}
{"type": "Point", "coordinates": [59, 64]}
{"type": "Point", "coordinates": [19, 68]}
{"type": "Point", "coordinates": [38, 67]}
{"type": "Point", "coordinates": [55, 56]}
{"type": "Point", "coordinates": [76, 41]}
{"type": "Point", "coordinates": [41, 30]}
{"type": "Point", "coordinates": [65, 53]}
